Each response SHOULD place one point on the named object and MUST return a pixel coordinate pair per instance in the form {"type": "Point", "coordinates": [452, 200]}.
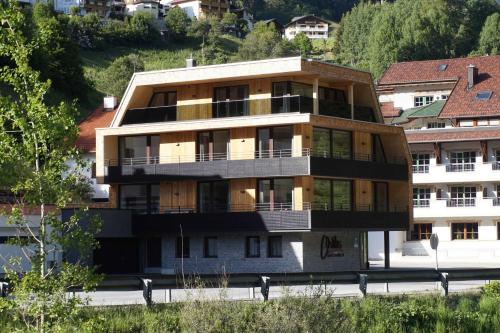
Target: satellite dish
{"type": "Point", "coordinates": [434, 241]}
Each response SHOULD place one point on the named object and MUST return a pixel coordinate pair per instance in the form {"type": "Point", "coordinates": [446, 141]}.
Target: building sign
{"type": "Point", "coordinates": [331, 247]}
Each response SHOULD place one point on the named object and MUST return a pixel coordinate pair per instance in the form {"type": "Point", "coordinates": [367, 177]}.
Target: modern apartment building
{"type": "Point", "coordinates": [314, 27]}
{"type": "Point", "coordinates": [278, 165]}
{"type": "Point", "coordinates": [450, 110]}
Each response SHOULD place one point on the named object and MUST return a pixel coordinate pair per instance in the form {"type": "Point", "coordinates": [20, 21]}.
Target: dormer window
{"type": "Point", "coordinates": [483, 95]}
{"type": "Point", "coordinates": [423, 100]}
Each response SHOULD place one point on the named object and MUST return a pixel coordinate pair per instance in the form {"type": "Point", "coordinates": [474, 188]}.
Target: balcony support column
{"type": "Point", "coordinates": [387, 254]}
{"type": "Point", "coordinates": [350, 96]}
{"type": "Point", "coordinates": [316, 96]}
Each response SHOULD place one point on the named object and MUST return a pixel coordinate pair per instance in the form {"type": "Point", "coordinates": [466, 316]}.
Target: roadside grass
{"type": "Point", "coordinates": [461, 313]}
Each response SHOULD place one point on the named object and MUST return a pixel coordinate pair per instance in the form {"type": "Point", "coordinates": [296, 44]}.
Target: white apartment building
{"type": "Point", "coordinates": [450, 110]}
{"type": "Point", "coordinates": [314, 27]}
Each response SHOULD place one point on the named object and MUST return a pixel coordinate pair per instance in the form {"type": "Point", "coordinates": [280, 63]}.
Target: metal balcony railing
{"type": "Point", "coordinates": [421, 169]}
{"type": "Point", "coordinates": [421, 203]}
{"type": "Point", "coordinates": [495, 165]}
{"type": "Point", "coordinates": [246, 107]}
{"type": "Point", "coordinates": [461, 202]}
{"type": "Point", "coordinates": [460, 167]}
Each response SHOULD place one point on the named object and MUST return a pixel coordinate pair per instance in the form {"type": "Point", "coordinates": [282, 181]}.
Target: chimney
{"type": "Point", "coordinates": [471, 76]}
{"type": "Point", "coordinates": [110, 102]}
{"type": "Point", "coordinates": [190, 62]}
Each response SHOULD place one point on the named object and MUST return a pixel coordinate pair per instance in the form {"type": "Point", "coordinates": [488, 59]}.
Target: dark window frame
{"type": "Point", "coordinates": [247, 247]}
{"type": "Point", "coordinates": [272, 200]}
{"type": "Point", "coordinates": [211, 145]}
{"type": "Point", "coordinates": [269, 247]}
{"type": "Point", "coordinates": [466, 233]}
{"type": "Point", "coordinates": [149, 209]}
{"type": "Point", "coordinates": [331, 195]}
{"type": "Point", "coordinates": [212, 196]}
{"type": "Point", "coordinates": [165, 93]}
{"type": "Point", "coordinates": [181, 245]}
{"type": "Point", "coordinates": [206, 247]}
{"type": "Point", "coordinates": [423, 231]}
{"type": "Point", "coordinates": [270, 149]}
{"type": "Point", "coordinates": [150, 257]}
{"type": "Point", "coordinates": [331, 143]}
{"type": "Point", "coordinates": [149, 159]}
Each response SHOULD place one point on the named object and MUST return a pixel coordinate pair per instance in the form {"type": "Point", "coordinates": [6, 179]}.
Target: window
{"type": "Point", "coordinates": [444, 97]}
{"type": "Point", "coordinates": [275, 247]}
{"type": "Point", "coordinates": [483, 122]}
{"type": "Point", "coordinates": [163, 99]}
{"type": "Point", "coordinates": [442, 67]}
{"type": "Point", "coordinates": [210, 247]}
{"type": "Point", "coordinates": [332, 194]}
{"type": "Point", "coordinates": [252, 247]}
{"type": "Point", "coordinates": [483, 95]}
{"type": "Point", "coordinates": [275, 194]}
{"type": "Point", "coordinates": [332, 143]}
{"type": "Point", "coordinates": [420, 162]}
{"type": "Point", "coordinates": [230, 101]}
{"type": "Point", "coordinates": [435, 125]}
{"type": "Point", "coordinates": [421, 231]}
{"type": "Point", "coordinates": [297, 97]}
{"type": "Point", "coordinates": [182, 247]}
{"type": "Point", "coordinates": [461, 161]}
{"type": "Point", "coordinates": [143, 149]}
{"type": "Point", "coordinates": [153, 249]}
{"type": "Point", "coordinates": [466, 123]}
{"type": "Point", "coordinates": [423, 100]}
{"type": "Point", "coordinates": [213, 145]}
{"type": "Point", "coordinates": [274, 142]}
{"type": "Point", "coordinates": [93, 170]}
{"type": "Point", "coordinates": [462, 196]}
{"type": "Point", "coordinates": [213, 196]}
{"type": "Point", "coordinates": [421, 197]}
{"type": "Point", "coordinates": [141, 199]}
{"type": "Point", "coordinates": [465, 231]}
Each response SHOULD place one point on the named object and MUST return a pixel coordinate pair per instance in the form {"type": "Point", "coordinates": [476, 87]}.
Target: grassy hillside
{"type": "Point", "coordinates": [171, 55]}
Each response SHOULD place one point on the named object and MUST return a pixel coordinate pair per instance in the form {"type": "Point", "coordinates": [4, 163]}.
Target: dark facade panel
{"type": "Point", "coordinates": [331, 167]}
{"type": "Point", "coordinates": [221, 222]}
{"type": "Point", "coordinates": [115, 223]}
{"type": "Point", "coordinates": [221, 169]}
{"type": "Point", "coordinates": [345, 220]}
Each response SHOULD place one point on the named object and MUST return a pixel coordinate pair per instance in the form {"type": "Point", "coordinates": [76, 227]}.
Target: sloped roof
{"type": "Point", "coordinates": [299, 18]}
{"type": "Point", "coordinates": [462, 102]}
{"type": "Point", "coordinates": [453, 134]}
{"type": "Point", "coordinates": [430, 110]}
{"type": "Point", "coordinates": [97, 119]}
{"type": "Point", "coordinates": [388, 110]}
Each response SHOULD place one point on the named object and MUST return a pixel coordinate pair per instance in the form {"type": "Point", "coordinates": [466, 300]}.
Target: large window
{"type": "Point", "coordinates": [252, 247]}
{"type": "Point", "coordinates": [143, 149]}
{"type": "Point", "coordinates": [423, 100]}
{"type": "Point", "coordinates": [182, 247]}
{"type": "Point", "coordinates": [168, 98]}
{"type": "Point", "coordinates": [332, 194]}
{"type": "Point", "coordinates": [213, 145]}
{"type": "Point", "coordinates": [332, 102]}
{"type": "Point", "coordinates": [141, 198]}
{"type": "Point", "coordinates": [465, 231]}
{"type": "Point", "coordinates": [297, 97]}
{"type": "Point", "coordinates": [332, 143]}
{"type": "Point", "coordinates": [230, 101]}
{"type": "Point", "coordinates": [421, 197]}
{"type": "Point", "coordinates": [421, 231]}
{"type": "Point", "coordinates": [462, 196]}
{"type": "Point", "coordinates": [420, 162]}
{"type": "Point", "coordinates": [275, 247]}
{"type": "Point", "coordinates": [210, 247]}
{"type": "Point", "coordinates": [274, 142]}
{"type": "Point", "coordinates": [462, 161]}
{"type": "Point", "coordinates": [213, 196]}
{"type": "Point", "coordinates": [435, 124]}
{"type": "Point", "coordinates": [275, 194]}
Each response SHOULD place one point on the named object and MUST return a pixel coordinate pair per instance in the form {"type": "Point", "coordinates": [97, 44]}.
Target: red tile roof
{"type": "Point", "coordinates": [97, 119]}
{"type": "Point", "coordinates": [462, 102]}
{"type": "Point", "coordinates": [457, 134]}
{"type": "Point", "coordinates": [388, 110]}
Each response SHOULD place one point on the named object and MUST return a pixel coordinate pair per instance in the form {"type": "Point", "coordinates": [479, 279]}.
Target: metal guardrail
{"type": "Point", "coordinates": [147, 283]}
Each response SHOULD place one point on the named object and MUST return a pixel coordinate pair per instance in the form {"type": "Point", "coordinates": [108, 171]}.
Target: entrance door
{"type": "Point", "coordinates": [117, 256]}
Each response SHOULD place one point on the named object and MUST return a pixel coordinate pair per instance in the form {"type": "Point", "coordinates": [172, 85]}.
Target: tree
{"type": "Point", "coordinates": [303, 43]}
{"type": "Point", "coordinates": [37, 145]}
{"type": "Point", "coordinates": [177, 22]}
{"type": "Point", "coordinates": [143, 29]}
{"type": "Point", "coordinates": [264, 42]}
{"type": "Point", "coordinates": [118, 74]}
{"type": "Point", "coordinates": [489, 41]}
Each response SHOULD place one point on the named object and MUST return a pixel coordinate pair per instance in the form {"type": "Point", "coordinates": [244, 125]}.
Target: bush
{"type": "Point", "coordinates": [118, 74]}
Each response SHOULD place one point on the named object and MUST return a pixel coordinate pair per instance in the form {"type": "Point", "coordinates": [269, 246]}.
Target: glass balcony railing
{"type": "Point", "coordinates": [245, 107]}
{"type": "Point", "coordinates": [460, 167]}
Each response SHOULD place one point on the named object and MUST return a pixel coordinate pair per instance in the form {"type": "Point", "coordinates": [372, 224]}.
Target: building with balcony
{"type": "Point", "coordinates": [314, 27]}
{"type": "Point", "coordinates": [203, 8]}
{"type": "Point", "coordinates": [278, 165]}
{"type": "Point", "coordinates": [450, 110]}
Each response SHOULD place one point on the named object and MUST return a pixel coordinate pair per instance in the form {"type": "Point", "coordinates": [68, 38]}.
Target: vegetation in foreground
{"type": "Point", "coordinates": [473, 312]}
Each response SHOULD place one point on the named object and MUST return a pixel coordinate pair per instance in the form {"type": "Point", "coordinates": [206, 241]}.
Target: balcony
{"type": "Point", "coordinates": [421, 203]}
{"type": "Point", "coordinates": [458, 208]}
{"type": "Point", "coordinates": [245, 107]}
{"type": "Point", "coordinates": [420, 168]}
{"type": "Point", "coordinates": [461, 202]}
{"type": "Point", "coordinates": [277, 163]}
{"type": "Point", "coordinates": [267, 217]}
{"type": "Point", "coordinates": [467, 173]}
